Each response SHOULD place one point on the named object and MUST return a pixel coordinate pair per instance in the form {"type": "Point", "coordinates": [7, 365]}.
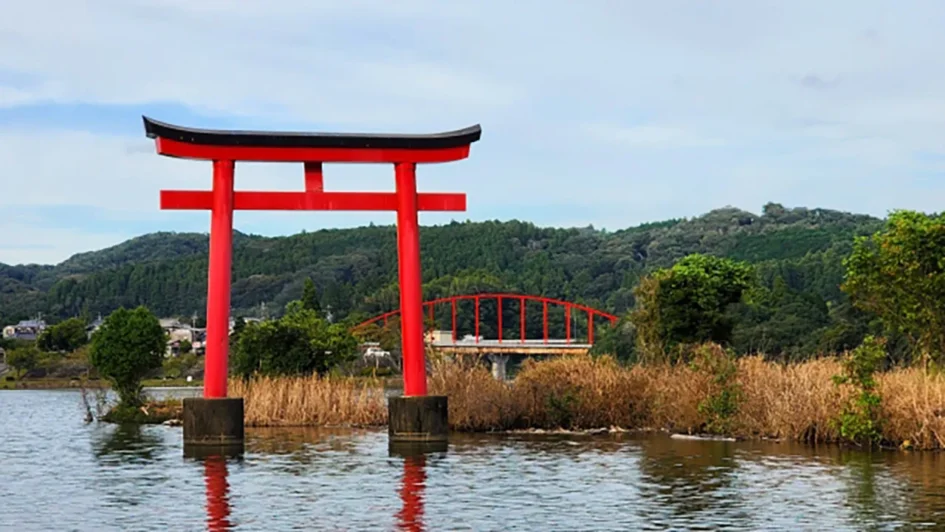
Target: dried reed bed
{"type": "Point", "coordinates": [311, 401]}
{"type": "Point", "coordinates": [580, 393]}
{"type": "Point", "coordinates": [673, 394]}
{"type": "Point", "coordinates": [784, 401]}
{"type": "Point", "coordinates": [477, 402]}
{"type": "Point", "coordinates": [913, 408]}
{"type": "Point", "coordinates": [789, 401]}
{"type": "Point", "coordinates": [567, 392]}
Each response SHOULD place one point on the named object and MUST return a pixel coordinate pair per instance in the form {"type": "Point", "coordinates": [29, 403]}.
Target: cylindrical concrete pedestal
{"type": "Point", "coordinates": [422, 420]}
{"type": "Point", "coordinates": [213, 426]}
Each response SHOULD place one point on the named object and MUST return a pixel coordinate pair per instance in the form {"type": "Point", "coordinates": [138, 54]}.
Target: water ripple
{"type": "Point", "coordinates": [58, 473]}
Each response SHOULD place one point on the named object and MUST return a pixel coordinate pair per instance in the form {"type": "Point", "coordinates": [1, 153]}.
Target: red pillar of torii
{"type": "Point", "coordinates": [225, 148]}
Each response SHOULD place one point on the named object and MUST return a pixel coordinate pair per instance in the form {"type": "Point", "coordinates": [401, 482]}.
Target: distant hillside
{"type": "Point", "coordinates": [356, 269]}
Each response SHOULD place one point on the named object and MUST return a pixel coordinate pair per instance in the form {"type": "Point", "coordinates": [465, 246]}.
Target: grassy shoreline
{"type": "Point", "coordinates": [798, 402]}
{"type": "Point", "coordinates": [583, 395]}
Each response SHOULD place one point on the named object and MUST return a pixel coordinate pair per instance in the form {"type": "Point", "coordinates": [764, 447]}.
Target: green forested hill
{"type": "Point", "coordinates": [798, 253]}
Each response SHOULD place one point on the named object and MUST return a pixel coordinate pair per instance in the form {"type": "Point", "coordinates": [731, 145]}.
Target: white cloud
{"type": "Point", "coordinates": [638, 110]}
{"type": "Point", "coordinates": [650, 136]}
{"type": "Point", "coordinates": [24, 243]}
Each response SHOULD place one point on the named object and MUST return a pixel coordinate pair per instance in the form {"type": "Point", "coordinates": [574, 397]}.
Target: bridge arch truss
{"type": "Point", "coordinates": [570, 309]}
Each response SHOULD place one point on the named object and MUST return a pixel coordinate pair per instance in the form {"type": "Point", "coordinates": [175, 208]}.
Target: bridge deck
{"type": "Point", "coordinates": [512, 347]}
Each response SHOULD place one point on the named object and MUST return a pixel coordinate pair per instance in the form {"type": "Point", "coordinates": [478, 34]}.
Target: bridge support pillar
{"type": "Point", "coordinates": [213, 426]}
{"type": "Point", "coordinates": [499, 365]}
{"type": "Point", "coordinates": [418, 423]}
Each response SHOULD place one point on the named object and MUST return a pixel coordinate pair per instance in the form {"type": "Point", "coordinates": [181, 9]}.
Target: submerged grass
{"type": "Point", "coordinates": [782, 401]}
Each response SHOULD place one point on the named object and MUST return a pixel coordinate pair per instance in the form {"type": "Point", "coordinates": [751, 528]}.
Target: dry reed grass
{"type": "Point", "coordinates": [913, 408]}
{"type": "Point", "coordinates": [566, 392]}
{"type": "Point", "coordinates": [793, 401]}
{"type": "Point", "coordinates": [312, 401]}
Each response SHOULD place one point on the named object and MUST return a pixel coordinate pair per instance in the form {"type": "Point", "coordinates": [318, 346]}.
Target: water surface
{"type": "Point", "coordinates": [58, 473]}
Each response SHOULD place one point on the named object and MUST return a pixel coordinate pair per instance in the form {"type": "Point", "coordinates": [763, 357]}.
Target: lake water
{"type": "Point", "coordinates": [58, 473]}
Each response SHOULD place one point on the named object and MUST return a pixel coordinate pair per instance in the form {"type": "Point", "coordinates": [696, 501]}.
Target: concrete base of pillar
{"type": "Point", "coordinates": [499, 365]}
{"type": "Point", "coordinates": [213, 426]}
{"type": "Point", "coordinates": [418, 420]}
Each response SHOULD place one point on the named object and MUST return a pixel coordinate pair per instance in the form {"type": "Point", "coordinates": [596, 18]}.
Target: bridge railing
{"type": "Point", "coordinates": [570, 308]}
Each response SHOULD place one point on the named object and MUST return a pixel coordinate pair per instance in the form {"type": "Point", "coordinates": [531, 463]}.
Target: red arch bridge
{"type": "Point", "coordinates": [566, 328]}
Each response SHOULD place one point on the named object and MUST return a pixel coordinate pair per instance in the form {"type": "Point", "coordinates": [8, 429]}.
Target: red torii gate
{"type": "Point", "coordinates": [225, 148]}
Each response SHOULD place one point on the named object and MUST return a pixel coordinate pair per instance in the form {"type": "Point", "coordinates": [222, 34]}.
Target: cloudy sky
{"type": "Point", "coordinates": [603, 112]}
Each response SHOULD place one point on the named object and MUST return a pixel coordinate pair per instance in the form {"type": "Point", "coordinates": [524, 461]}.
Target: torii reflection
{"type": "Point", "coordinates": [413, 482]}
{"type": "Point", "coordinates": [215, 475]}
{"type": "Point", "coordinates": [410, 516]}
{"type": "Point", "coordinates": [218, 493]}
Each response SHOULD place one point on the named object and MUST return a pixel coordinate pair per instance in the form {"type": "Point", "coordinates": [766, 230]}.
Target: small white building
{"type": "Point", "coordinates": [438, 337]}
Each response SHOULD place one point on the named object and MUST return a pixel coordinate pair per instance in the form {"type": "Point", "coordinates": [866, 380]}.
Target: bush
{"type": "Point", "coordinates": [23, 359]}
{"type": "Point", "coordinates": [153, 413]}
{"type": "Point", "coordinates": [65, 337]}
{"type": "Point", "coordinates": [859, 420]}
{"type": "Point", "coordinates": [725, 393]}
{"type": "Point", "coordinates": [177, 367]}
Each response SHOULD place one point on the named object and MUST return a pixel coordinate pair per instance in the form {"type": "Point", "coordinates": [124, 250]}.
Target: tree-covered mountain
{"type": "Point", "coordinates": [797, 252]}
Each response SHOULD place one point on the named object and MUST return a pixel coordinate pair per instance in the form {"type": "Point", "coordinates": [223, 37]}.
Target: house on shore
{"type": "Point", "coordinates": [178, 332]}
{"type": "Point", "coordinates": [25, 330]}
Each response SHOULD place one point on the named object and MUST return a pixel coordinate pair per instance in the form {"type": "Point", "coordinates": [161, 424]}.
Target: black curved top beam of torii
{"type": "Point", "coordinates": [291, 139]}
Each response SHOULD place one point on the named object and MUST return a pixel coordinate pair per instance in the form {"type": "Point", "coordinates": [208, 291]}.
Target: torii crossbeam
{"type": "Point", "coordinates": [225, 148]}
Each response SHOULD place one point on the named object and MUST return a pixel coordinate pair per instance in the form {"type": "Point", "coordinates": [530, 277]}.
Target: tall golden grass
{"type": "Point", "coordinates": [783, 401]}
{"type": "Point", "coordinates": [310, 401]}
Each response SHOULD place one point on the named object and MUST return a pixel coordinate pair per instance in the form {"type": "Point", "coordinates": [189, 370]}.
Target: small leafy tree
{"type": "Point", "coordinates": [23, 359]}
{"type": "Point", "coordinates": [128, 345]}
{"type": "Point", "coordinates": [688, 304]}
{"type": "Point", "coordinates": [66, 336]}
{"type": "Point", "coordinates": [859, 420]}
{"type": "Point", "coordinates": [899, 275]}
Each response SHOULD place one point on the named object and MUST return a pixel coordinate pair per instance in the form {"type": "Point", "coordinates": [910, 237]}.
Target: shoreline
{"type": "Point", "coordinates": [759, 400]}
{"type": "Point", "coordinates": [96, 384]}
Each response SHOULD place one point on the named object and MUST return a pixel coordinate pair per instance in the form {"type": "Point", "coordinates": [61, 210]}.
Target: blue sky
{"type": "Point", "coordinates": [603, 112]}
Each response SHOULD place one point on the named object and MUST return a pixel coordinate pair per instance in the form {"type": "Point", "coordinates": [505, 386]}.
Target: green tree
{"type": "Point", "coordinates": [186, 347]}
{"type": "Point", "coordinates": [299, 343]}
{"type": "Point", "coordinates": [129, 344]}
{"type": "Point", "coordinates": [176, 367]}
{"type": "Point", "coordinates": [310, 296]}
{"type": "Point", "coordinates": [66, 336]}
{"type": "Point", "coordinates": [898, 274]}
{"type": "Point", "coordinates": [23, 359]}
{"type": "Point", "coordinates": [688, 303]}
{"type": "Point", "coordinates": [618, 340]}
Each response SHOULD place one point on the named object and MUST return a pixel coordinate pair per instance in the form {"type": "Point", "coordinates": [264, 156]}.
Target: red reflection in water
{"type": "Point", "coordinates": [218, 504]}
{"type": "Point", "coordinates": [410, 517]}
